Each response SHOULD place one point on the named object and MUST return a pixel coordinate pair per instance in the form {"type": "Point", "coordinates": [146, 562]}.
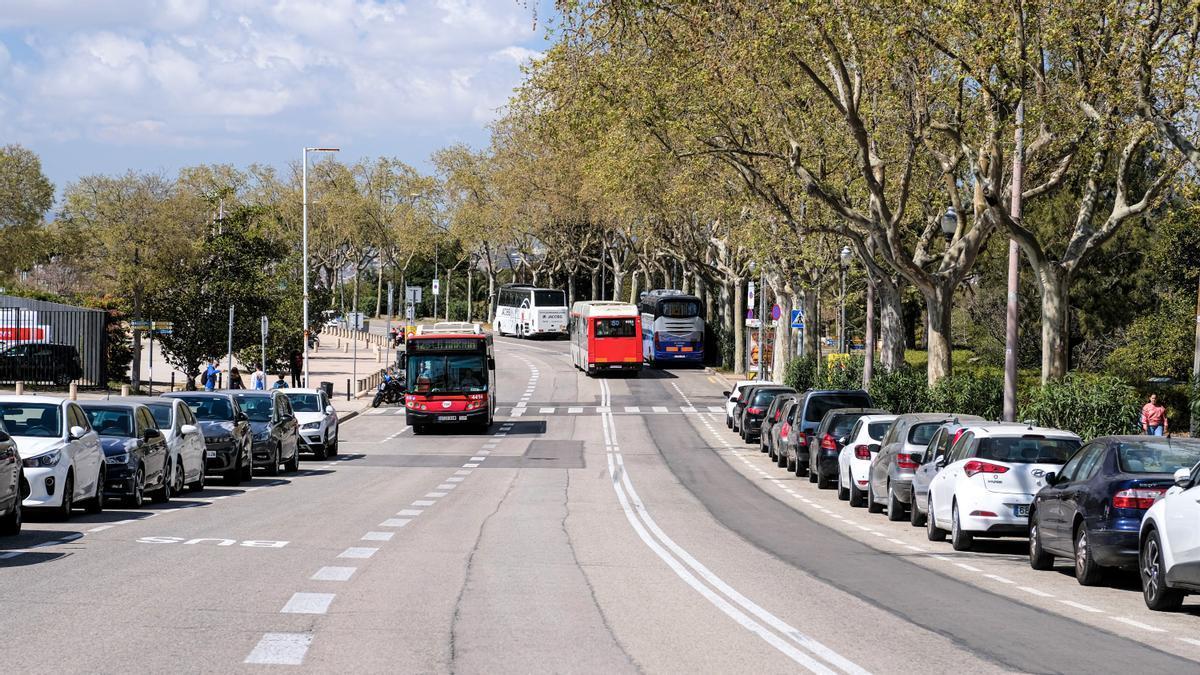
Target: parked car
{"type": "Point", "coordinates": [12, 486]}
{"type": "Point", "coordinates": [757, 400]}
{"type": "Point", "coordinates": [813, 404]}
{"type": "Point", "coordinates": [1091, 510]}
{"type": "Point", "coordinates": [318, 421]}
{"type": "Point", "coordinates": [40, 362]}
{"type": "Point", "coordinates": [227, 441]}
{"type": "Point", "coordinates": [773, 417]}
{"type": "Point", "coordinates": [781, 430]}
{"type": "Point", "coordinates": [185, 441]}
{"type": "Point", "coordinates": [135, 451]}
{"type": "Point", "coordinates": [745, 394]}
{"type": "Point", "coordinates": [939, 446]}
{"type": "Point", "coordinates": [831, 435]}
{"type": "Point", "coordinates": [900, 452]}
{"type": "Point", "coordinates": [1169, 552]}
{"type": "Point", "coordinates": [273, 428]}
{"type": "Point", "coordinates": [854, 459]}
{"type": "Point", "coordinates": [60, 453]}
{"type": "Point", "coordinates": [732, 397]}
{"type": "Point", "coordinates": [989, 479]}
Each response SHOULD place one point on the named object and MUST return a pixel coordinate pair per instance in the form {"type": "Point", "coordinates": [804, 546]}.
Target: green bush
{"type": "Point", "coordinates": [845, 375]}
{"type": "Point", "coordinates": [978, 394]}
{"type": "Point", "coordinates": [801, 373]}
{"type": "Point", "coordinates": [1089, 405]}
{"type": "Point", "coordinates": [901, 391]}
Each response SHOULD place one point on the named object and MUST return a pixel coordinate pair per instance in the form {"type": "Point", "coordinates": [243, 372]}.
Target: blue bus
{"type": "Point", "coordinates": [672, 328]}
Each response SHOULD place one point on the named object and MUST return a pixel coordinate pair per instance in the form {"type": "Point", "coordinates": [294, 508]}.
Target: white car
{"type": "Point", "coordinates": [732, 397]}
{"type": "Point", "coordinates": [185, 440]}
{"type": "Point", "coordinates": [1169, 553]}
{"type": "Point", "coordinates": [854, 459]}
{"type": "Point", "coordinates": [61, 454]}
{"type": "Point", "coordinates": [987, 481]}
{"type": "Point", "coordinates": [317, 419]}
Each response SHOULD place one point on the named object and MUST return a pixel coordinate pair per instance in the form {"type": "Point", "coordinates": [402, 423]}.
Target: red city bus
{"type": "Point", "coordinates": [606, 336]}
{"type": "Point", "coordinates": [450, 377]}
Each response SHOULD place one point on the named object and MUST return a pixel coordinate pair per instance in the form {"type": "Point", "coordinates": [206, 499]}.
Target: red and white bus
{"type": "Point", "coordinates": [450, 377]}
{"type": "Point", "coordinates": [606, 336]}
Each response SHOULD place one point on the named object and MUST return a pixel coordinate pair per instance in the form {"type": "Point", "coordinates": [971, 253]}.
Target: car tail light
{"type": "Point", "coordinates": [802, 440]}
{"type": "Point", "coordinates": [754, 411]}
{"type": "Point", "coordinates": [1137, 498]}
{"type": "Point", "coordinates": [983, 514]}
{"type": "Point", "coordinates": [827, 443]}
{"type": "Point", "coordinates": [975, 466]}
{"type": "Point", "coordinates": [862, 452]}
{"type": "Point", "coordinates": [783, 431]}
{"type": "Point", "coordinates": [910, 461]}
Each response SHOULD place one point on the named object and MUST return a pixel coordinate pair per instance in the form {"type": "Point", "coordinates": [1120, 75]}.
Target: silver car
{"type": "Point", "coordinates": [900, 452]}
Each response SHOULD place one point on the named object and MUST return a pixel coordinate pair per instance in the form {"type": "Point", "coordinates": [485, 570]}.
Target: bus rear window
{"type": "Point", "coordinates": [549, 299]}
{"type": "Point", "coordinates": [606, 328]}
{"type": "Point", "coordinates": [679, 309]}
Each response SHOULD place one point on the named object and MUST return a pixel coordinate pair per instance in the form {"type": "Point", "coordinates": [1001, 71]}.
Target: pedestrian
{"type": "Point", "coordinates": [280, 383]}
{"type": "Point", "coordinates": [235, 378]}
{"type": "Point", "coordinates": [211, 374]}
{"type": "Point", "coordinates": [259, 379]}
{"type": "Point", "coordinates": [1154, 418]}
{"type": "Point", "coordinates": [297, 363]}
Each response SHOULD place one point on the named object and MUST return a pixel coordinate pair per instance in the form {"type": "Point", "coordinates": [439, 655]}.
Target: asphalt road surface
{"type": "Point", "coordinates": [602, 525]}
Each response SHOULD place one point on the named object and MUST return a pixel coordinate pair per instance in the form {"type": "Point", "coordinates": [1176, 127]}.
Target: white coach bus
{"type": "Point", "coordinates": [525, 311]}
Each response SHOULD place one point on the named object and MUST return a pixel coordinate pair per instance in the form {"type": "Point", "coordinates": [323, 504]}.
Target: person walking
{"type": "Point", "coordinates": [211, 374]}
{"type": "Point", "coordinates": [235, 378]}
{"type": "Point", "coordinates": [1154, 418]}
{"type": "Point", "coordinates": [259, 379]}
{"type": "Point", "coordinates": [297, 363]}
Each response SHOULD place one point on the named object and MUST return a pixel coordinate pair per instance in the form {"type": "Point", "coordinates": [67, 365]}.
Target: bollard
{"type": "Point", "coordinates": [73, 390]}
{"type": "Point", "coordinates": [348, 393]}
{"type": "Point", "coordinates": [124, 390]}
{"type": "Point", "coordinates": [346, 346]}
{"type": "Point", "coordinates": [20, 388]}
{"type": "Point", "coordinates": [172, 380]}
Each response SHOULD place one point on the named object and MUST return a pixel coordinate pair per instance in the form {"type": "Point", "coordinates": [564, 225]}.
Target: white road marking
{"type": "Point", "coordinates": [470, 465]}
{"type": "Point", "coordinates": [462, 473]}
{"type": "Point", "coordinates": [447, 486]}
{"type": "Point", "coordinates": [333, 574]}
{"type": "Point", "coordinates": [659, 409]}
{"type": "Point", "coordinates": [308, 603]}
{"type": "Point", "coordinates": [422, 502]}
{"type": "Point", "coordinates": [1191, 641]}
{"type": "Point", "coordinates": [435, 495]}
{"type": "Point", "coordinates": [1138, 624]}
{"type": "Point", "coordinates": [633, 409]}
{"type": "Point", "coordinates": [359, 552]}
{"type": "Point", "coordinates": [967, 567]}
{"type": "Point", "coordinates": [455, 479]}
{"type": "Point", "coordinates": [395, 522]}
{"type": "Point", "coordinates": [1034, 591]}
{"type": "Point", "coordinates": [378, 536]}
{"type": "Point", "coordinates": [546, 411]}
{"type": "Point", "coordinates": [687, 409]}
{"type": "Point", "coordinates": [1086, 608]}
{"type": "Point", "coordinates": [409, 512]}
{"type": "Point", "coordinates": [574, 411]}
{"type": "Point", "coordinates": [477, 459]}
{"type": "Point", "coordinates": [715, 409]}
{"type": "Point", "coordinates": [100, 528]}
{"type": "Point", "coordinates": [1000, 579]}
{"type": "Point", "coordinates": [281, 649]}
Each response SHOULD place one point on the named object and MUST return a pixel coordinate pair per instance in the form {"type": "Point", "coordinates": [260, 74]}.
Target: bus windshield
{"type": "Point", "coordinates": [458, 373]}
{"type": "Point", "coordinates": [549, 299]}
{"type": "Point", "coordinates": [614, 328]}
{"type": "Point", "coordinates": [679, 309]}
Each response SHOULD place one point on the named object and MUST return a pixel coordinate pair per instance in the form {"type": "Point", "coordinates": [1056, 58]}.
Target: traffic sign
{"type": "Point", "coordinates": [266, 326]}
{"type": "Point", "coordinates": [412, 294]}
{"type": "Point", "coordinates": [776, 312]}
{"type": "Point", "coordinates": [161, 326]}
{"type": "Point", "coordinates": [797, 318]}
{"type": "Point", "coordinates": [435, 286]}
{"type": "Point", "coordinates": [139, 324]}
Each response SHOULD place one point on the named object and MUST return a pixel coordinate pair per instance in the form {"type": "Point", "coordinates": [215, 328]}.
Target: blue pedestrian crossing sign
{"type": "Point", "coordinates": [797, 318]}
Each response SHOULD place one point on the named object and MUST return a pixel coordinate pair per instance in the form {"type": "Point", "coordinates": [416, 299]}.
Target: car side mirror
{"type": "Point", "coordinates": [77, 433]}
{"type": "Point", "coordinates": [842, 440]}
{"type": "Point", "coordinates": [1183, 477]}
{"type": "Point", "coordinates": [725, 394]}
{"type": "Point", "coordinates": [1051, 478]}
{"type": "Point", "coordinates": [188, 429]}
{"type": "Point", "coordinates": [329, 409]}
{"type": "Point", "coordinates": [491, 363]}
{"type": "Point", "coordinates": [151, 434]}
{"type": "Point", "coordinates": [241, 417]}
{"type": "Point", "coordinates": [873, 448]}
{"type": "Point", "coordinates": [940, 462]}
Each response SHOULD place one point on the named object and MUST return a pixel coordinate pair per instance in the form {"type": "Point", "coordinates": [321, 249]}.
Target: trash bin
{"type": "Point", "coordinates": [328, 387]}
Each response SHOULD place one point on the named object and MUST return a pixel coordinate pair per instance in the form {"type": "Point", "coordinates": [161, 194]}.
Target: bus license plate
{"type": "Point", "coordinates": [447, 418]}
{"type": "Point", "coordinates": [1022, 510]}
{"type": "Point", "coordinates": [615, 366]}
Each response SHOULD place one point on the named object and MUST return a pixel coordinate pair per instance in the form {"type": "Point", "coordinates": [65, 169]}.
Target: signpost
{"type": "Point", "coordinates": [161, 328]}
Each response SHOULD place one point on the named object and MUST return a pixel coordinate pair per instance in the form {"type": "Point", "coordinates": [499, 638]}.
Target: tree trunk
{"type": "Point", "coordinates": [634, 285]}
{"type": "Point", "coordinates": [1055, 286]}
{"type": "Point", "coordinates": [869, 336]}
{"type": "Point", "coordinates": [938, 303]}
{"type": "Point", "coordinates": [570, 289]}
{"type": "Point", "coordinates": [596, 283]}
{"type": "Point", "coordinates": [136, 370]}
{"type": "Point", "coordinates": [782, 354]}
{"type": "Point", "coordinates": [739, 333]}
{"type": "Point", "coordinates": [379, 289]}
{"type": "Point", "coordinates": [812, 325]}
{"type": "Point", "coordinates": [891, 325]}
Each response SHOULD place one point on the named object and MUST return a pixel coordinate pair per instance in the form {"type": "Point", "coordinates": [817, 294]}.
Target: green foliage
{"type": "Point", "coordinates": [800, 373]}
{"type": "Point", "coordinates": [847, 375]}
{"type": "Point", "coordinates": [1158, 344]}
{"type": "Point", "coordinates": [904, 390]}
{"type": "Point", "coordinates": [981, 395]}
{"type": "Point", "coordinates": [724, 342]}
{"type": "Point", "coordinates": [1089, 405]}
{"type": "Point", "coordinates": [25, 193]}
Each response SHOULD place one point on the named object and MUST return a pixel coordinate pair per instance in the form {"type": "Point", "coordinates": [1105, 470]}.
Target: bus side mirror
{"type": "Point", "coordinates": [491, 363]}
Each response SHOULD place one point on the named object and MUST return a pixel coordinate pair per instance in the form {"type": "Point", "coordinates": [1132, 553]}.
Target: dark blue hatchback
{"type": "Point", "coordinates": [1092, 509]}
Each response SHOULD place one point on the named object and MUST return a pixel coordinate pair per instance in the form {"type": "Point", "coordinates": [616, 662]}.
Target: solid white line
{"type": "Point", "coordinates": [358, 552]}
{"type": "Point", "coordinates": [395, 522]}
{"type": "Point", "coordinates": [1086, 608]}
{"type": "Point", "coordinates": [281, 649]}
{"type": "Point", "coordinates": [1138, 624]}
{"type": "Point", "coordinates": [967, 567]}
{"type": "Point", "coordinates": [100, 528]}
{"type": "Point", "coordinates": [333, 574]}
{"type": "Point", "coordinates": [409, 512]}
{"type": "Point", "coordinates": [1000, 579]}
{"type": "Point", "coordinates": [308, 603]}
{"type": "Point", "coordinates": [1034, 591]}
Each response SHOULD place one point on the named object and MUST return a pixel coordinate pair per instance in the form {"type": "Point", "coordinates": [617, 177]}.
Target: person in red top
{"type": "Point", "coordinates": [1154, 417]}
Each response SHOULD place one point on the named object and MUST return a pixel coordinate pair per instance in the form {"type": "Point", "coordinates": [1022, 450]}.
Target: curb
{"type": "Point", "coordinates": [711, 371]}
{"type": "Point", "coordinates": [352, 414]}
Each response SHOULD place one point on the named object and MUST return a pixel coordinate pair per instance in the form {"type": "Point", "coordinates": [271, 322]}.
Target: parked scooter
{"type": "Point", "coordinates": [390, 391]}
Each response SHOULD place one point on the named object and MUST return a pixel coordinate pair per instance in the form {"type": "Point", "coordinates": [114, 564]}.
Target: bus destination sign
{"type": "Point", "coordinates": [427, 345]}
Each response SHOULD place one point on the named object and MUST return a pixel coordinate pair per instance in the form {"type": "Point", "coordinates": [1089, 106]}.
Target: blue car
{"type": "Point", "coordinates": [1091, 510]}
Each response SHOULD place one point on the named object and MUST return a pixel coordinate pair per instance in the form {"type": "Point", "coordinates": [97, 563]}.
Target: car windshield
{"type": "Point", "coordinates": [823, 403]}
{"type": "Point", "coordinates": [1157, 456]}
{"type": "Point", "coordinates": [549, 299]}
{"type": "Point", "coordinates": [32, 419]}
{"type": "Point", "coordinates": [920, 434]}
{"type": "Point", "coordinates": [161, 412]}
{"type": "Point", "coordinates": [256, 406]}
{"type": "Point", "coordinates": [1027, 449]}
{"type": "Point", "coordinates": [606, 328]}
{"type": "Point", "coordinates": [447, 374]}
{"type": "Point", "coordinates": [210, 408]}
{"type": "Point", "coordinates": [111, 421]}
{"type": "Point", "coordinates": [876, 430]}
{"type": "Point", "coordinates": [305, 402]}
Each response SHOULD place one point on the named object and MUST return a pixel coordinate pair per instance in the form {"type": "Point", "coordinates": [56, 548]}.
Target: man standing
{"type": "Point", "coordinates": [297, 364]}
{"type": "Point", "coordinates": [1154, 418]}
{"type": "Point", "coordinates": [210, 376]}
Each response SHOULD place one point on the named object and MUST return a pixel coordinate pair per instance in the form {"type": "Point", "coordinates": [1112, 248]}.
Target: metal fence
{"type": "Point", "coordinates": [51, 343]}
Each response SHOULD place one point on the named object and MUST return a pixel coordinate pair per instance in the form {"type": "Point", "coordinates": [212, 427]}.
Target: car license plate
{"type": "Point", "coordinates": [211, 454]}
{"type": "Point", "coordinates": [1022, 510]}
{"type": "Point", "coordinates": [447, 418]}
{"type": "Point", "coordinates": [616, 367]}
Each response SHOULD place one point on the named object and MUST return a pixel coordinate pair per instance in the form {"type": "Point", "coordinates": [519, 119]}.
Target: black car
{"type": "Point", "coordinates": [1091, 510]}
{"type": "Point", "coordinates": [774, 416]}
{"type": "Point", "coordinates": [757, 400]}
{"type": "Point", "coordinates": [273, 428]}
{"type": "Point", "coordinates": [829, 438]}
{"type": "Point", "coordinates": [227, 439]}
{"type": "Point", "coordinates": [40, 362]}
{"type": "Point", "coordinates": [813, 404]}
{"type": "Point", "coordinates": [135, 451]}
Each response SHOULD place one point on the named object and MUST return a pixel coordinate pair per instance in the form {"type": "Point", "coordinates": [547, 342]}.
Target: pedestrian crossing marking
{"type": "Point", "coordinates": [659, 409]}
{"type": "Point", "coordinates": [574, 411]}
{"type": "Point", "coordinates": [632, 409]}
{"type": "Point", "coordinates": [545, 411]}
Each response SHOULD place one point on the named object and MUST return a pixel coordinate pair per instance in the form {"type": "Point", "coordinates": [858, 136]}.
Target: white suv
{"type": "Point", "coordinates": [1169, 553]}
{"type": "Point", "coordinates": [988, 480]}
{"type": "Point", "coordinates": [60, 453]}
{"type": "Point", "coordinates": [317, 419]}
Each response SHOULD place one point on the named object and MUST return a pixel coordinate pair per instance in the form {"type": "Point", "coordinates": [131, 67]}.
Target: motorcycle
{"type": "Point", "coordinates": [389, 391]}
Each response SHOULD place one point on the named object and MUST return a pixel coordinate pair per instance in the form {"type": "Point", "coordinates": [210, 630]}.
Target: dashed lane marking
{"type": "Point", "coordinates": [308, 603]}
{"type": "Point", "coordinates": [1138, 624]}
{"type": "Point", "coordinates": [1034, 591]}
{"type": "Point", "coordinates": [395, 522]}
{"type": "Point", "coordinates": [378, 536]}
{"type": "Point", "coordinates": [423, 502]}
{"type": "Point", "coordinates": [409, 512]}
{"type": "Point", "coordinates": [280, 649]}
{"type": "Point", "coordinates": [334, 574]}
{"type": "Point", "coordinates": [1081, 606]}
{"type": "Point", "coordinates": [359, 552]}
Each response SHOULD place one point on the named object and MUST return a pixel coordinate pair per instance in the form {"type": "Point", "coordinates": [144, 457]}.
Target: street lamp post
{"type": "Point", "coordinates": [949, 224]}
{"type": "Point", "coordinates": [845, 264]}
{"type": "Point", "coordinates": [304, 246]}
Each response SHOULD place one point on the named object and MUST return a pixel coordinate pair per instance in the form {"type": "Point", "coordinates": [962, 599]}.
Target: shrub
{"type": "Point", "coordinates": [843, 375]}
{"type": "Point", "coordinates": [1089, 405]}
{"type": "Point", "coordinates": [800, 373]}
{"type": "Point", "coordinates": [979, 394]}
{"type": "Point", "coordinates": [901, 391]}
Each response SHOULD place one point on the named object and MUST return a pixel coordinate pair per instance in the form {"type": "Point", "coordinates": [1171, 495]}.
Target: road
{"type": "Point", "coordinates": [603, 525]}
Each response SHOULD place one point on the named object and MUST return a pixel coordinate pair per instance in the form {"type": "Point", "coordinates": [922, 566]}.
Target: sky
{"type": "Point", "coordinates": [106, 86]}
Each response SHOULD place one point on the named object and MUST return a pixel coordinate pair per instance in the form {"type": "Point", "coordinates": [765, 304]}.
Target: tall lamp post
{"type": "Point", "coordinates": [844, 256]}
{"type": "Point", "coordinates": [304, 239]}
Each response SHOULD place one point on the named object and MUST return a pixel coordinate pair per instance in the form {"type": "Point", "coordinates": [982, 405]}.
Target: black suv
{"type": "Point", "coordinates": [812, 406]}
{"type": "Point", "coordinates": [227, 438]}
{"type": "Point", "coordinates": [40, 362]}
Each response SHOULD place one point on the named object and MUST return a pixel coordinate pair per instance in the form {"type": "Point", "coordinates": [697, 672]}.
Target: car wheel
{"type": "Point", "coordinates": [762, 443]}
{"type": "Point", "coordinates": [812, 474]}
{"type": "Point", "coordinates": [843, 491]}
{"type": "Point", "coordinates": [823, 482]}
{"type": "Point", "coordinates": [276, 457]}
{"type": "Point", "coordinates": [96, 503]}
{"type": "Point", "coordinates": [914, 514]}
{"type": "Point", "coordinates": [331, 450]}
{"type": "Point", "coordinates": [293, 463]}
{"type": "Point", "coordinates": [1087, 572]}
{"type": "Point", "coordinates": [1158, 596]}
{"type": "Point", "coordinates": [857, 496]}
{"type": "Point", "coordinates": [895, 507]}
{"type": "Point", "coordinates": [163, 494]}
{"type": "Point", "coordinates": [872, 505]}
{"type": "Point", "coordinates": [10, 524]}
{"type": "Point", "coordinates": [959, 539]}
{"type": "Point", "coordinates": [63, 512]}
{"type": "Point", "coordinates": [1039, 559]}
{"type": "Point", "coordinates": [247, 464]}
{"type": "Point", "coordinates": [198, 484]}
{"type": "Point", "coordinates": [138, 497]}
{"type": "Point", "coordinates": [178, 484]}
{"type": "Point", "coordinates": [790, 466]}
{"type": "Point", "coordinates": [932, 531]}
{"type": "Point", "coordinates": [728, 422]}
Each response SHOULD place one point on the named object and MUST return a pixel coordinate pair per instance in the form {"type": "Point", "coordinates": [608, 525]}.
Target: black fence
{"type": "Point", "coordinates": [50, 343]}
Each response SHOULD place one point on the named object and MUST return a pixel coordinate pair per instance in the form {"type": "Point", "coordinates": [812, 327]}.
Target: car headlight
{"type": "Point", "coordinates": [122, 458]}
{"type": "Point", "coordinates": [219, 439]}
{"type": "Point", "coordinates": [312, 425]}
{"type": "Point", "coordinates": [48, 459]}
